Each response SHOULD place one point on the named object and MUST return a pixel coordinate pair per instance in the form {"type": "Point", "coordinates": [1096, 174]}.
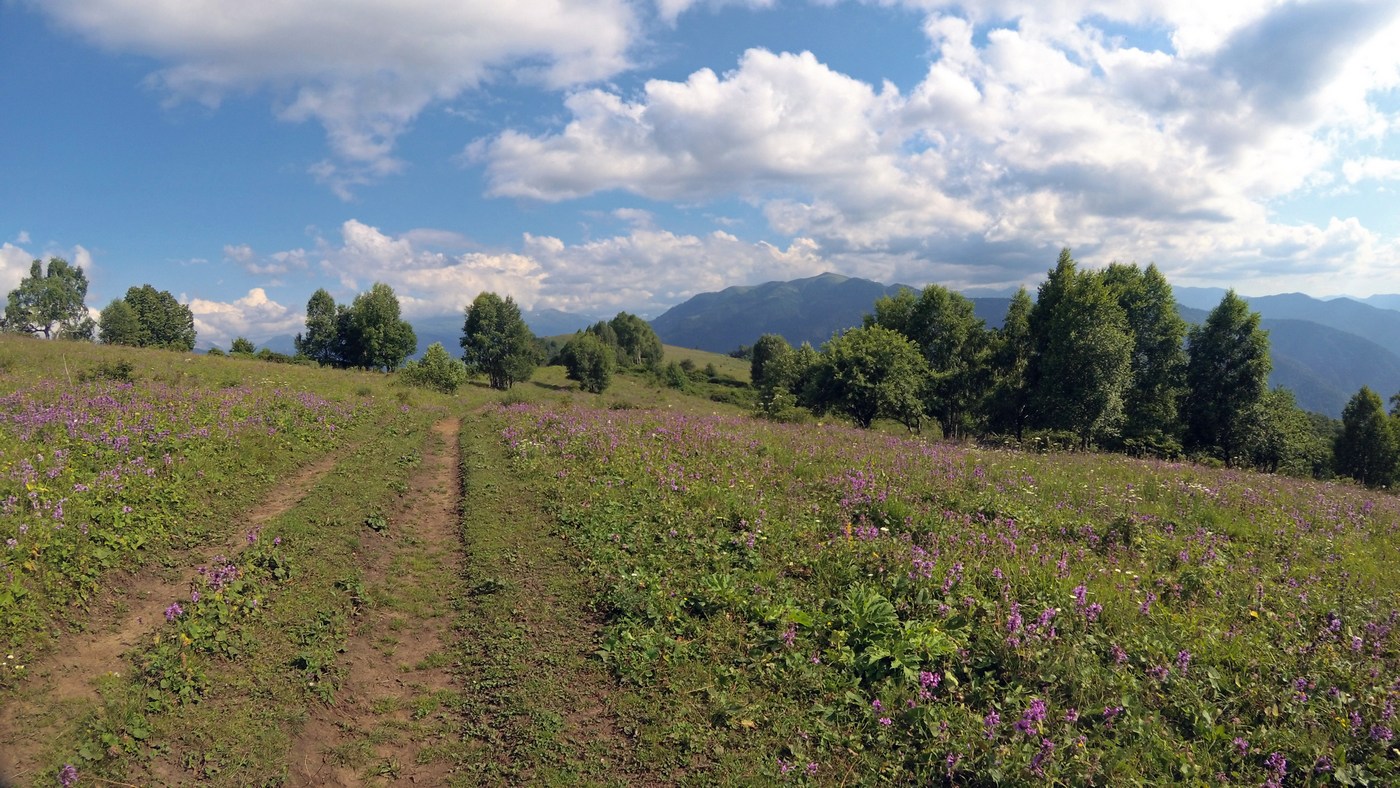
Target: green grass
{"type": "Point", "coordinates": [649, 587]}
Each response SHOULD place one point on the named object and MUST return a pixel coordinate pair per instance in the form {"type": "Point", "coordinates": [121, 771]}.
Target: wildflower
{"type": "Point", "coordinates": [789, 635]}
{"type": "Point", "coordinates": [1110, 713]}
{"type": "Point", "coordinates": [68, 775]}
{"type": "Point", "coordinates": [990, 722]}
{"type": "Point", "coordinates": [1081, 595]}
{"type": "Point", "coordinates": [174, 611]}
{"type": "Point", "coordinates": [886, 721]}
{"type": "Point", "coordinates": [1091, 613]}
{"type": "Point", "coordinates": [1072, 715]}
{"type": "Point", "coordinates": [1381, 733]}
{"type": "Point", "coordinates": [194, 596]}
{"type": "Point", "coordinates": [1119, 655]}
{"type": "Point", "coordinates": [1183, 659]}
{"type": "Point", "coordinates": [1241, 746]}
{"type": "Point", "coordinates": [877, 705]}
{"type": "Point", "coordinates": [783, 766]}
{"type": "Point", "coordinates": [1038, 763]}
{"type": "Point", "coordinates": [811, 768]}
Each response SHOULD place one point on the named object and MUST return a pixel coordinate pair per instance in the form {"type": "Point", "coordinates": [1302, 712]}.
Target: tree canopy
{"type": "Point", "coordinates": [372, 335]}
{"type": "Point", "coordinates": [873, 372]}
{"type": "Point", "coordinates": [147, 317]}
{"type": "Point", "coordinates": [51, 301]}
{"type": "Point", "coordinates": [588, 361]}
{"type": "Point", "coordinates": [1366, 448]}
{"type": "Point", "coordinates": [497, 342]}
{"type": "Point", "coordinates": [1227, 374]}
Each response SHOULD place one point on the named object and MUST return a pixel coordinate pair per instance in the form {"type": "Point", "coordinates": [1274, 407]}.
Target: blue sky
{"type": "Point", "coordinates": [600, 155]}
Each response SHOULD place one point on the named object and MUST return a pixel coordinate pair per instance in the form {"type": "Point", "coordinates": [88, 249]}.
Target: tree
{"type": "Point", "coordinates": [588, 361]}
{"type": "Point", "coordinates": [1227, 373]}
{"type": "Point", "coordinates": [437, 370]}
{"type": "Point", "coordinates": [1081, 365]}
{"type": "Point", "coordinates": [637, 344]}
{"type": "Point", "coordinates": [769, 352]}
{"type": "Point", "coordinates": [118, 324]}
{"type": "Point", "coordinates": [870, 373]}
{"type": "Point", "coordinates": [1010, 405]}
{"type": "Point", "coordinates": [1283, 438]}
{"type": "Point", "coordinates": [372, 334]}
{"type": "Point", "coordinates": [953, 340]}
{"type": "Point", "coordinates": [321, 342]}
{"type": "Point", "coordinates": [243, 346]}
{"type": "Point", "coordinates": [496, 341]}
{"type": "Point", "coordinates": [1366, 450]}
{"type": "Point", "coordinates": [51, 302]}
{"type": "Point", "coordinates": [1158, 360]}
{"type": "Point", "coordinates": [165, 322]}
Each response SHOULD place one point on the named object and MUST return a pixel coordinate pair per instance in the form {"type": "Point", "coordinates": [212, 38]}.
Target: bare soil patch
{"type": "Point", "coordinates": [391, 716]}
{"type": "Point", "coordinates": [62, 682]}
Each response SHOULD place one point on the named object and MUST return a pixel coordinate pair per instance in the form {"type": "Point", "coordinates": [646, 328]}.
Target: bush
{"type": "Point", "coordinates": [588, 361]}
{"type": "Point", "coordinates": [438, 371]}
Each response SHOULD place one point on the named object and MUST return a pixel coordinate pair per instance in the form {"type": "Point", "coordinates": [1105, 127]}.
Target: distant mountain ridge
{"type": "Point", "coordinates": [1324, 351]}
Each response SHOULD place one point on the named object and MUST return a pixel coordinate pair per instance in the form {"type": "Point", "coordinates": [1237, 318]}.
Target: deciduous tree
{"type": "Point", "coordinates": [321, 342]}
{"type": "Point", "coordinates": [373, 334]}
{"type": "Point", "coordinates": [51, 301]}
{"type": "Point", "coordinates": [497, 342]}
{"type": "Point", "coordinates": [873, 372]}
{"type": "Point", "coordinates": [588, 361]}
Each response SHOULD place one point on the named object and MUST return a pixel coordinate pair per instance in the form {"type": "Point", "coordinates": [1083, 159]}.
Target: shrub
{"type": "Point", "coordinates": [437, 370]}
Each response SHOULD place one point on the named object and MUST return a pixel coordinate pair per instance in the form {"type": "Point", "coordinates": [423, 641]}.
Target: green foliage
{"type": "Point", "coordinates": [161, 321]}
{"type": "Point", "coordinates": [321, 342]}
{"type": "Point", "coordinates": [51, 301]}
{"type": "Point", "coordinates": [437, 370]}
{"type": "Point", "coordinates": [118, 324]}
{"type": "Point", "coordinates": [870, 373]}
{"type": "Point", "coordinates": [371, 333]}
{"type": "Point", "coordinates": [242, 346]}
{"type": "Point", "coordinates": [768, 356]}
{"type": "Point", "coordinates": [1158, 360]}
{"type": "Point", "coordinates": [1009, 407]}
{"type": "Point", "coordinates": [1226, 377]}
{"type": "Point", "coordinates": [589, 362]}
{"type": "Point", "coordinates": [1282, 438]}
{"type": "Point", "coordinates": [1081, 368]}
{"type": "Point", "coordinates": [1366, 450]}
{"type": "Point", "coordinates": [637, 344]}
{"type": "Point", "coordinates": [955, 344]}
{"type": "Point", "coordinates": [497, 342]}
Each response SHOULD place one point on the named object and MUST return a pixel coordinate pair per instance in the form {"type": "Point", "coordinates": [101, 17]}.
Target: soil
{"type": "Point", "coordinates": [61, 682]}
{"type": "Point", "coordinates": [373, 727]}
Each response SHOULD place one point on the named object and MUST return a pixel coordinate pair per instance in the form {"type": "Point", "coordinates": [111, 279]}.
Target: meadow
{"type": "Point", "coordinates": [831, 606]}
{"type": "Point", "coordinates": [230, 572]}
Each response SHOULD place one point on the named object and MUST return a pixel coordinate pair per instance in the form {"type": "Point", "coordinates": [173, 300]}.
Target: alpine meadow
{"type": "Point", "coordinates": [595, 559]}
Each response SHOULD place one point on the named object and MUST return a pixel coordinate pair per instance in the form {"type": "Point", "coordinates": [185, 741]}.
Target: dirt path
{"type": "Point", "coordinates": [391, 718]}
{"type": "Point", "coordinates": [538, 707]}
{"type": "Point", "coordinates": [62, 682]}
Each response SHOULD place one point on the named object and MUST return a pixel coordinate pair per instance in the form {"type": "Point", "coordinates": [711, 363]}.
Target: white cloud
{"type": "Point", "coordinates": [363, 70]}
{"type": "Point", "coordinates": [254, 316]}
{"type": "Point", "coordinates": [23, 237]}
{"type": "Point", "coordinates": [670, 10]}
{"type": "Point", "coordinates": [14, 266]}
{"type": "Point", "coordinates": [1371, 168]}
{"type": "Point", "coordinates": [1032, 129]}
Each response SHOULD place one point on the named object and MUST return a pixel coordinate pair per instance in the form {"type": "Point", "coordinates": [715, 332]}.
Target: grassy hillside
{"type": "Point", "coordinates": [225, 571]}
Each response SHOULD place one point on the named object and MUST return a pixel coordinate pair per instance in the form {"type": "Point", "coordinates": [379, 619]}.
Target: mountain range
{"type": "Point", "coordinates": [1323, 350]}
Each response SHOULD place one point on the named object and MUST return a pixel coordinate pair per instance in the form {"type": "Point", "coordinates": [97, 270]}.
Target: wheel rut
{"type": "Point", "coordinates": [394, 702]}
{"type": "Point", "coordinates": [62, 682]}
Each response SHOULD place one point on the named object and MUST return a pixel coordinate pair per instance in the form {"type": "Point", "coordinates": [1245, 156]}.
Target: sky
{"type": "Point", "coordinates": [603, 155]}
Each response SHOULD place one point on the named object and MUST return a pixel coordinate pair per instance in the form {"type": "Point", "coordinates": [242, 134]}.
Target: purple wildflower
{"type": "Point", "coordinates": [68, 775]}
{"type": "Point", "coordinates": [990, 722]}
{"type": "Point", "coordinates": [174, 611]}
{"type": "Point", "coordinates": [886, 721]}
{"type": "Point", "coordinates": [1183, 659]}
{"type": "Point", "coordinates": [1241, 746]}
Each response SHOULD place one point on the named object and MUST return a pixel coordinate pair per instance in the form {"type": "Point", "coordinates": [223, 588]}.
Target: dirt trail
{"type": "Point", "coordinates": [397, 677]}
{"type": "Point", "coordinates": [61, 682]}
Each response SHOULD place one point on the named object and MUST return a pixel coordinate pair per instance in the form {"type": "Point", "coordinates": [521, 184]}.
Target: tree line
{"type": "Point", "coordinates": [1098, 358]}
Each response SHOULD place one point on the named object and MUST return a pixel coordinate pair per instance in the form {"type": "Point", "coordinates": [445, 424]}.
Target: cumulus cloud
{"type": "Point", "coordinates": [254, 316]}
{"type": "Point", "coordinates": [362, 70]}
{"type": "Point", "coordinates": [1033, 128]}
{"type": "Point", "coordinates": [1371, 168]}
{"type": "Point", "coordinates": [645, 270]}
